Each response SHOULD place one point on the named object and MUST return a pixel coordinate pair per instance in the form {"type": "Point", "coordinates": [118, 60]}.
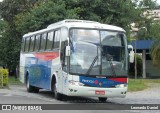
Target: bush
{"type": "Point", "coordinates": [4, 73]}
{"type": "Point", "coordinates": [139, 67]}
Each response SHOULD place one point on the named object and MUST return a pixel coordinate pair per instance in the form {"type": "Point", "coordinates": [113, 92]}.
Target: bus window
{"type": "Point", "coordinates": [27, 44]}
{"type": "Point", "coordinates": [32, 44]}
{"type": "Point", "coordinates": [43, 41]}
{"type": "Point", "coordinates": [56, 39]}
{"type": "Point", "coordinates": [50, 40]}
{"type": "Point", "coordinates": [37, 42]}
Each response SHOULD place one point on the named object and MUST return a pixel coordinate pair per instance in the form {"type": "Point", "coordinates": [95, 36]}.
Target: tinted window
{"type": "Point", "coordinates": [32, 43]}
{"type": "Point", "coordinates": [43, 41]}
{"type": "Point", "coordinates": [27, 44]}
{"type": "Point", "coordinates": [57, 39]}
{"type": "Point", "coordinates": [37, 42]}
{"type": "Point", "coordinates": [50, 38]}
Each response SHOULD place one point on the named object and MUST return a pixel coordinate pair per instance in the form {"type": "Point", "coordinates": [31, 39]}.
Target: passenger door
{"type": "Point", "coordinates": [64, 43]}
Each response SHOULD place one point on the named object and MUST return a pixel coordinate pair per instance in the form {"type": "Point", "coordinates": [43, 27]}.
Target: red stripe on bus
{"type": "Point", "coordinates": [119, 79]}
{"type": "Point", "coordinates": [47, 55]}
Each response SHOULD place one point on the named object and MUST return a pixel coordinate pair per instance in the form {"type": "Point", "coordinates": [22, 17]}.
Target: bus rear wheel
{"type": "Point", "coordinates": [57, 95]}
{"type": "Point", "coordinates": [102, 99]}
{"type": "Point", "coordinates": [31, 88]}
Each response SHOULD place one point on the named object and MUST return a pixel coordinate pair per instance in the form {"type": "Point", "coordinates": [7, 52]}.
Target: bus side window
{"type": "Point", "coordinates": [37, 43]}
{"type": "Point", "coordinates": [32, 44]}
{"type": "Point", "coordinates": [50, 38]}
{"type": "Point", "coordinates": [56, 39]}
{"type": "Point", "coordinates": [27, 44]}
{"type": "Point", "coordinates": [43, 41]}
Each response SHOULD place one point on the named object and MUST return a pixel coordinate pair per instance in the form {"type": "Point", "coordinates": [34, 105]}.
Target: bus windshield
{"type": "Point", "coordinates": [98, 52]}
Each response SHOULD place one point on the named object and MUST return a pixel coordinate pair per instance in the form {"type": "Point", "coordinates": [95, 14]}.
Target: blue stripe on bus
{"type": "Point", "coordinates": [99, 82]}
{"type": "Point", "coordinates": [39, 72]}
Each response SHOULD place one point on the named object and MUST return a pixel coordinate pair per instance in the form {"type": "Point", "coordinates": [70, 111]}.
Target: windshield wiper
{"type": "Point", "coordinates": [91, 66]}
{"type": "Point", "coordinates": [110, 61]}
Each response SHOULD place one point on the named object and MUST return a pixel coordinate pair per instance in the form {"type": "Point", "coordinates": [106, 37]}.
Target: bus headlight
{"type": "Point", "coordinates": [72, 82]}
{"type": "Point", "coordinates": [121, 85]}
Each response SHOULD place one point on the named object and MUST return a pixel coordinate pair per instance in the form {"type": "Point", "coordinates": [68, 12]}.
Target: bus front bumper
{"type": "Point", "coordinates": [96, 91]}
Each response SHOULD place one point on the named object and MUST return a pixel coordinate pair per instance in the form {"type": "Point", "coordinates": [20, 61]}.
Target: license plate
{"type": "Point", "coordinates": [97, 92]}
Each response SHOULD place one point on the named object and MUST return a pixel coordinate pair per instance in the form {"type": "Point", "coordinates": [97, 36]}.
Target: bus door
{"type": "Point", "coordinates": [64, 43]}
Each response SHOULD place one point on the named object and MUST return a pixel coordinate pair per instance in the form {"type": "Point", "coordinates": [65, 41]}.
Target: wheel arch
{"type": "Point", "coordinates": [54, 80]}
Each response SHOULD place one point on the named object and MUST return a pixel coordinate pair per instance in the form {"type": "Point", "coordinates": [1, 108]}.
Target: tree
{"type": "Point", "coordinates": [10, 38]}
{"type": "Point", "coordinates": [155, 53]}
{"type": "Point", "coordinates": [147, 22]}
{"type": "Point", "coordinates": [155, 50]}
{"type": "Point", "coordinates": [116, 12]}
{"type": "Point", "coordinates": [41, 16]}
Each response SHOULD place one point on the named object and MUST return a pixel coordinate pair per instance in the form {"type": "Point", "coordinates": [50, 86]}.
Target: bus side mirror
{"type": "Point", "coordinates": [131, 56]}
{"type": "Point", "coordinates": [131, 53]}
{"type": "Point", "coordinates": [68, 50]}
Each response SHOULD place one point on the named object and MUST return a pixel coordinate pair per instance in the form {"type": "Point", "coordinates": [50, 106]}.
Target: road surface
{"type": "Point", "coordinates": [17, 94]}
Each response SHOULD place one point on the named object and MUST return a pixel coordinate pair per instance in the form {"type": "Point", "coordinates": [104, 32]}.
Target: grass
{"type": "Point", "coordinates": [140, 84]}
{"type": "Point", "coordinates": [12, 80]}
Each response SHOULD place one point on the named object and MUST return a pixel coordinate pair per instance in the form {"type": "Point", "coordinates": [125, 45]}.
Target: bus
{"type": "Point", "coordinates": [76, 58]}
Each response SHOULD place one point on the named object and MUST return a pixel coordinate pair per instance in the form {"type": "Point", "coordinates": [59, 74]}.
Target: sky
{"type": "Point", "coordinates": [158, 1]}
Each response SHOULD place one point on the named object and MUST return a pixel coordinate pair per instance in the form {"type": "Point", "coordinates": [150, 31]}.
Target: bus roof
{"type": "Point", "coordinates": [77, 23]}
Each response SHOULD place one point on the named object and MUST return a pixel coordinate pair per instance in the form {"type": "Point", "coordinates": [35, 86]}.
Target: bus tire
{"type": "Point", "coordinates": [29, 87]}
{"type": "Point", "coordinates": [102, 99]}
{"type": "Point", "coordinates": [35, 90]}
{"type": "Point", "coordinates": [57, 95]}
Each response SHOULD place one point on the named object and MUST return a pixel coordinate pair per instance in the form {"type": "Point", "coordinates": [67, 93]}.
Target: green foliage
{"type": "Point", "coordinates": [13, 81]}
{"type": "Point", "coordinates": [116, 12]}
{"type": "Point", "coordinates": [10, 8]}
{"type": "Point", "coordinates": [148, 4]}
{"type": "Point", "coordinates": [4, 74]}
{"type": "Point", "coordinates": [141, 84]}
{"type": "Point", "coordinates": [10, 48]}
{"type": "Point", "coordinates": [42, 15]}
{"type": "Point", "coordinates": [136, 85]}
{"type": "Point", "coordinates": [139, 67]}
{"type": "Point", "coordinates": [10, 39]}
{"type": "Point", "coordinates": [155, 53]}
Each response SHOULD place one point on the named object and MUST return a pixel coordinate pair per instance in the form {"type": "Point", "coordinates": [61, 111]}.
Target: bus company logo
{"type": "Point", "coordinates": [87, 81]}
{"type": "Point", "coordinates": [96, 81]}
{"type": "Point", "coordinates": [90, 81]}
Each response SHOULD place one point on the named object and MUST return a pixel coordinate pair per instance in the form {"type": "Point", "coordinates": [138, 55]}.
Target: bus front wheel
{"type": "Point", "coordinates": [57, 95]}
{"type": "Point", "coordinates": [102, 99]}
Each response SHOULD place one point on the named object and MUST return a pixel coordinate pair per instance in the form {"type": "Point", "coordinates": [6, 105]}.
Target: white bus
{"type": "Point", "coordinates": [76, 58]}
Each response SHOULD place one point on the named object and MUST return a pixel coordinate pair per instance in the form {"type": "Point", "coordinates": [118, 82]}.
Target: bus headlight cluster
{"type": "Point", "coordinates": [72, 82]}
{"type": "Point", "coordinates": [121, 85]}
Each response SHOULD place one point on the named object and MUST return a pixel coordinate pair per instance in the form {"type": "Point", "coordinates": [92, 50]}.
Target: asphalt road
{"type": "Point", "coordinates": [17, 94]}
